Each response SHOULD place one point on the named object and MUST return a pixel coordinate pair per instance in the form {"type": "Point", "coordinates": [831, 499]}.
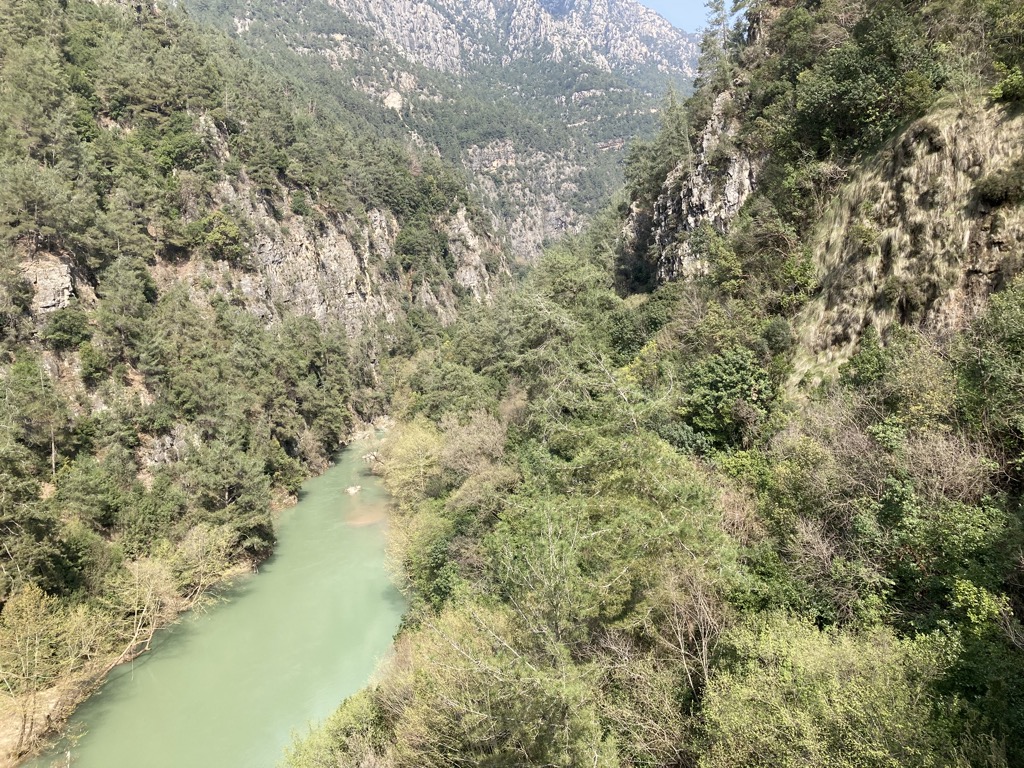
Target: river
{"type": "Point", "coordinates": [227, 687]}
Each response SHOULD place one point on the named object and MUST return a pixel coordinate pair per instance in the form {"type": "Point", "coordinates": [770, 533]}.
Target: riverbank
{"type": "Point", "coordinates": [53, 706]}
{"type": "Point", "coordinates": [42, 714]}
{"type": "Point", "coordinates": [310, 628]}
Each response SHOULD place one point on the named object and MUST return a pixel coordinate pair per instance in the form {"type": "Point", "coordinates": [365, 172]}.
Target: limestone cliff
{"type": "Point", "coordinates": [323, 266]}
{"type": "Point", "coordinates": [534, 189]}
{"type": "Point", "coordinates": [905, 240]}
{"type": "Point", "coordinates": [457, 36]}
{"type": "Point", "coordinates": [708, 188]}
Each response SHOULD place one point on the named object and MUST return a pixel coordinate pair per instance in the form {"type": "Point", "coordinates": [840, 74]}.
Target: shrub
{"type": "Point", "coordinates": [801, 696]}
{"type": "Point", "coordinates": [1004, 187]}
{"type": "Point", "coordinates": [67, 329]}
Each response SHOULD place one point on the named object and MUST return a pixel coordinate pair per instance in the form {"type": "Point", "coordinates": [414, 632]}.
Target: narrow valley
{"type": "Point", "coordinates": [700, 356]}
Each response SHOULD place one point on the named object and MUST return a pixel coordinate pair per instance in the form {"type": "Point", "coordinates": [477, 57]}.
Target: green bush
{"type": "Point", "coordinates": [859, 92]}
{"type": "Point", "coordinates": [798, 696]}
{"type": "Point", "coordinates": [422, 249]}
{"type": "Point", "coordinates": [95, 365]}
{"type": "Point", "coordinates": [728, 395]}
{"type": "Point", "coordinates": [1010, 86]}
{"type": "Point", "coordinates": [67, 329]}
{"type": "Point", "coordinates": [1005, 187]}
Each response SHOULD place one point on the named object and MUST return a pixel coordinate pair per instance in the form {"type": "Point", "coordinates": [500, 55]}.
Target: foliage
{"type": "Point", "coordinates": [1003, 187]}
{"type": "Point", "coordinates": [1010, 86]}
{"type": "Point", "coordinates": [796, 695]}
{"type": "Point", "coordinates": [649, 163]}
{"type": "Point", "coordinates": [67, 329]}
{"type": "Point", "coordinates": [147, 427]}
{"type": "Point", "coordinates": [724, 572]}
{"type": "Point", "coordinates": [624, 542]}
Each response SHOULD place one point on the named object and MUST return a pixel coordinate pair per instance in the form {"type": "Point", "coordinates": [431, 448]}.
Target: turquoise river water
{"type": "Point", "coordinates": [228, 687]}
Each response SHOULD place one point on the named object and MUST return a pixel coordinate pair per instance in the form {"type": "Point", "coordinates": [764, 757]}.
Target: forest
{"type": "Point", "coordinates": [631, 531]}
{"type": "Point", "coordinates": [630, 539]}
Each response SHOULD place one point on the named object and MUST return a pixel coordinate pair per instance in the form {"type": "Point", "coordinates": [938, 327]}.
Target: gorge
{"type": "Point", "coordinates": [705, 396]}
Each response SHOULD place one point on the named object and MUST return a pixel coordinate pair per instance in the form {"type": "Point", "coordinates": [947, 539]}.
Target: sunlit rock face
{"type": "Point", "coordinates": [458, 35]}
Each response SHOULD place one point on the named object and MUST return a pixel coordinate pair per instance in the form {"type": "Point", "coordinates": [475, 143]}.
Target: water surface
{"type": "Point", "coordinates": [226, 688]}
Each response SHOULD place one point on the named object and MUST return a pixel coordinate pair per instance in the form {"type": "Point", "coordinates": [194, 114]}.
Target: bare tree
{"type": "Point", "coordinates": [689, 616]}
{"type": "Point", "coordinates": [32, 630]}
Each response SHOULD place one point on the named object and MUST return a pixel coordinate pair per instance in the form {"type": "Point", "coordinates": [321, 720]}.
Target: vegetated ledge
{"type": "Point", "coordinates": [911, 240]}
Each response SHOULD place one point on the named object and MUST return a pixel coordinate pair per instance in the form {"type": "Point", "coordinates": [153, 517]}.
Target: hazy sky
{"type": "Point", "coordinates": [685, 14]}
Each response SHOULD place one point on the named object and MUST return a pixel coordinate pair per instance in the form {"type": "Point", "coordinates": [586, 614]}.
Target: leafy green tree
{"type": "Point", "coordinates": [990, 362]}
{"type": "Point", "coordinates": [728, 395]}
{"type": "Point", "coordinates": [649, 164]}
{"type": "Point", "coordinates": [67, 329]}
{"type": "Point", "coordinates": [861, 90]}
{"type": "Point", "coordinates": [797, 695]}
{"type": "Point", "coordinates": [126, 296]}
{"type": "Point", "coordinates": [30, 552]}
{"type": "Point", "coordinates": [490, 704]}
{"type": "Point", "coordinates": [230, 488]}
{"type": "Point", "coordinates": [41, 204]}
{"type": "Point", "coordinates": [35, 409]}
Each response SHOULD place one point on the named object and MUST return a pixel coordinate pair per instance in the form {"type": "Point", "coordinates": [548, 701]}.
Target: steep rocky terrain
{"type": "Point", "coordinates": [461, 37]}
{"type": "Point", "coordinates": [906, 239]}
{"type": "Point", "coordinates": [330, 268]}
{"type": "Point", "coordinates": [909, 241]}
{"type": "Point", "coordinates": [536, 101]}
{"type": "Point", "coordinates": [900, 235]}
{"type": "Point", "coordinates": [202, 260]}
{"type": "Point", "coordinates": [707, 189]}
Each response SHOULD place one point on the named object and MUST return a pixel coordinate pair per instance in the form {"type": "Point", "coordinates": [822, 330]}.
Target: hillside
{"type": "Point", "coordinates": [536, 102]}
{"type": "Point", "coordinates": [194, 263]}
{"type": "Point", "coordinates": [733, 478]}
{"type": "Point", "coordinates": [210, 250]}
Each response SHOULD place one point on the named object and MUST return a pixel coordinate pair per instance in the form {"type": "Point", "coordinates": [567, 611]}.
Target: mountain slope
{"type": "Point", "coordinates": [734, 479]}
{"type": "Point", "coordinates": [519, 96]}
{"type": "Point", "coordinates": [460, 37]}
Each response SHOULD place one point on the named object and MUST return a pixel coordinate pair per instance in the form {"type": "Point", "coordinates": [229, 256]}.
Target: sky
{"type": "Point", "coordinates": [685, 14]}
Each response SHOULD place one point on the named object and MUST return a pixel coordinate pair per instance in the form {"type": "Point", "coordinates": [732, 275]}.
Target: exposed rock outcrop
{"type": "Point", "coordinates": [907, 240]}
{"type": "Point", "coordinates": [333, 268]}
{"type": "Point", "coordinates": [539, 186]}
{"type": "Point", "coordinates": [707, 189]}
{"type": "Point", "coordinates": [51, 279]}
{"type": "Point", "coordinates": [711, 191]}
{"type": "Point", "coordinates": [468, 249]}
{"type": "Point", "coordinates": [578, 78]}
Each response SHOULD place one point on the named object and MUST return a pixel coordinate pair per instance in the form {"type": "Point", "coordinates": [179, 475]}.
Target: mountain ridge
{"type": "Point", "coordinates": [610, 34]}
{"type": "Point", "coordinates": [537, 110]}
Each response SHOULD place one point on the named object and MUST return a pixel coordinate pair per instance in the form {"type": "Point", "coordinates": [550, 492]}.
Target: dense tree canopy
{"type": "Point", "coordinates": [616, 513]}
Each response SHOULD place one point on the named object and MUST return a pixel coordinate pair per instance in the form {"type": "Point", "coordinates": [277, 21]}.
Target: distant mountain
{"type": "Point", "coordinates": [535, 99]}
{"type": "Point", "coordinates": [460, 36]}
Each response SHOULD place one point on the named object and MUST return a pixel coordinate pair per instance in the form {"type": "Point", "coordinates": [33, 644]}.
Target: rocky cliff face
{"type": "Point", "coordinates": [344, 268]}
{"type": "Point", "coordinates": [458, 36]}
{"type": "Point", "coordinates": [907, 241]}
{"type": "Point", "coordinates": [327, 267]}
{"type": "Point", "coordinates": [536, 189]}
{"type": "Point", "coordinates": [706, 189]}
